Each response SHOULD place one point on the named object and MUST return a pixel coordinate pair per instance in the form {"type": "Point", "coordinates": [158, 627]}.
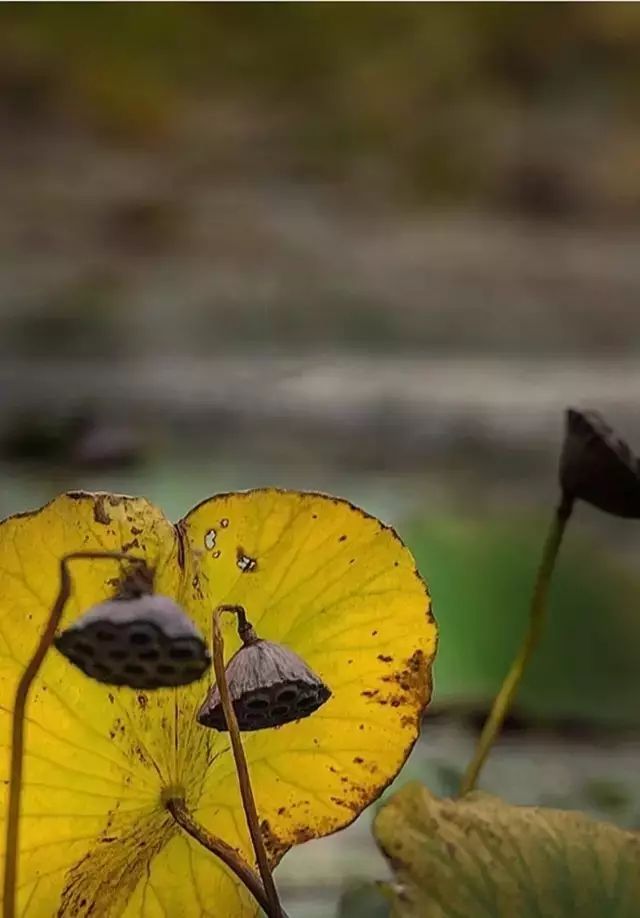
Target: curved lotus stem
{"type": "Point", "coordinates": [221, 849]}
{"type": "Point", "coordinates": [537, 617]}
{"type": "Point", "coordinates": [17, 725]}
{"type": "Point", "coordinates": [246, 792]}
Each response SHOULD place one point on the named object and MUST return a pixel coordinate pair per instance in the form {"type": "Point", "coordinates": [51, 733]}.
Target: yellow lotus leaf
{"type": "Point", "coordinates": [479, 857]}
{"type": "Point", "coordinates": [313, 572]}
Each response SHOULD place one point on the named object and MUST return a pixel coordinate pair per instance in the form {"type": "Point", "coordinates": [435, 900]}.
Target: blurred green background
{"type": "Point", "coordinates": [374, 249]}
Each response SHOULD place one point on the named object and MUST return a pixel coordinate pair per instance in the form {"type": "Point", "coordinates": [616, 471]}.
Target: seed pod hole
{"type": "Point", "coordinates": [134, 670]}
{"type": "Point", "coordinates": [140, 637]}
{"type": "Point", "coordinates": [181, 653]}
{"type": "Point", "coordinates": [102, 635]}
{"type": "Point", "coordinates": [258, 704]}
{"type": "Point", "coordinates": [286, 695]}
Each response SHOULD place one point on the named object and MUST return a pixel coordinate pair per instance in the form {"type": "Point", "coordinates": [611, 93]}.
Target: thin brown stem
{"type": "Point", "coordinates": [244, 780]}
{"type": "Point", "coordinates": [222, 850]}
{"type": "Point", "coordinates": [17, 726]}
{"type": "Point", "coordinates": [537, 618]}
{"type": "Point", "coordinates": [246, 631]}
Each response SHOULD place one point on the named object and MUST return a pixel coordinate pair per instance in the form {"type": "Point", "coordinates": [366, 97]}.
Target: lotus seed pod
{"type": "Point", "coordinates": [598, 467]}
{"type": "Point", "coordinates": [145, 643]}
{"type": "Point", "coordinates": [269, 686]}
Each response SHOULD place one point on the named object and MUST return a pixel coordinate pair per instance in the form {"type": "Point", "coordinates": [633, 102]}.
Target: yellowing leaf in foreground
{"type": "Point", "coordinates": [313, 572]}
{"type": "Point", "coordinates": [479, 857]}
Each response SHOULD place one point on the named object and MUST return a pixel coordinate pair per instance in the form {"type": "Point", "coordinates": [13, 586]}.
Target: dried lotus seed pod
{"type": "Point", "coordinates": [146, 642]}
{"type": "Point", "coordinates": [598, 467]}
{"type": "Point", "coordinates": [269, 686]}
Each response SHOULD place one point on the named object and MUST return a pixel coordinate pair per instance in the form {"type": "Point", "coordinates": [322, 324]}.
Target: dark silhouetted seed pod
{"type": "Point", "coordinates": [269, 686]}
{"type": "Point", "coordinates": [598, 467]}
{"type": "Point", "coordinates": [145, 643]}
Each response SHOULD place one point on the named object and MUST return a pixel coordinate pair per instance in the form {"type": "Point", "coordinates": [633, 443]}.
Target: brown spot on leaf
{"type": "Point", "coordinates": [384, 659]}
{"type": "Point", "coordinates": [340, 802]}
{"type": "Point", "coordinates": [412, 681]}
{"type": "Point", "coordinates": [141, 755]}
{"type": "Point", "coordinates": [101, 882]}
{"type": "Point", "coordinates": [274, 845]}
{"type": "Point", "coordinates": [100, 514]}
{"type": "Point", "coordinates": [358, 760]}
{"type": "Point", "coordinates": [354, 804]}
{"type": "Point", "coordinates": [342, 538]}
{"type": "Point", "coordinates": [303, 834]}
{"type": "Point", "coordinates": [371, 767]}
{"type": "Point", "coordinates": [180, 538]}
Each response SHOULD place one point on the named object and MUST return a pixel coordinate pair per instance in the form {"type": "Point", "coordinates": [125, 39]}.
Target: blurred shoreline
{"type": "Point", "coordinates": [92, 267]}
{"type": "Point", "coordinates": [418, 407]}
